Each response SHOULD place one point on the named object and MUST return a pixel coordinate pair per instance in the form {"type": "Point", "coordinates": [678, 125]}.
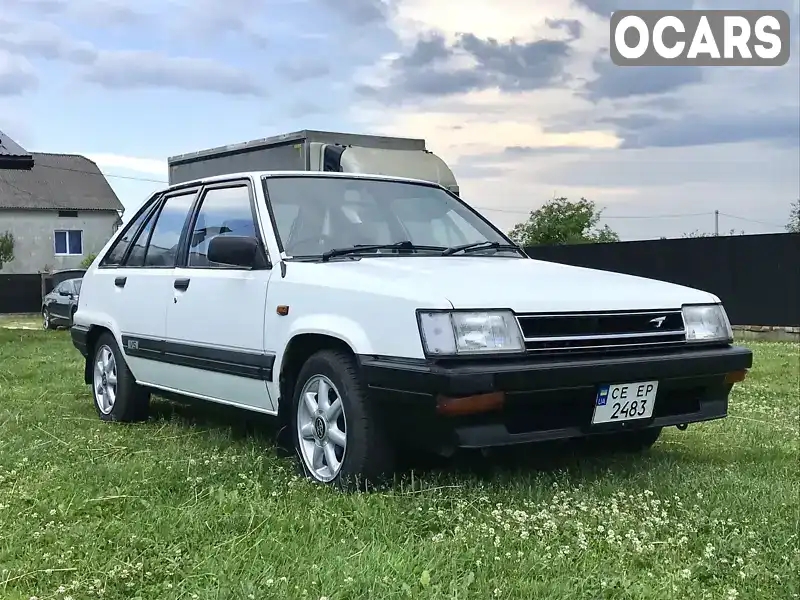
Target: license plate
{"type": "Point", "coordinates": [624, 402]}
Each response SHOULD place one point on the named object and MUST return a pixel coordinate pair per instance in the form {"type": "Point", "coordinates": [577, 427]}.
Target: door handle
{"type": "Point", "coordinates": [181, 284]}
{"type": "Point", "coordinates": [120, 281]}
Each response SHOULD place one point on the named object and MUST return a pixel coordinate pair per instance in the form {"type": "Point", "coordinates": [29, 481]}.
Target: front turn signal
{"type": "Point", "coordinates": [735, 376]}
{"type": "Point", "coordinates": [469, 405]}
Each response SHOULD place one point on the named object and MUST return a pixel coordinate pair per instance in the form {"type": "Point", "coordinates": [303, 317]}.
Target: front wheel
{"type": "Point", "coordinates": [337, 434]}
{"type": "Point", "coordinates": [47, 320]}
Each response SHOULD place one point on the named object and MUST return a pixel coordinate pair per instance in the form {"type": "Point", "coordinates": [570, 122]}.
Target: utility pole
{"type": "Point", "coordinates": [716, 222]}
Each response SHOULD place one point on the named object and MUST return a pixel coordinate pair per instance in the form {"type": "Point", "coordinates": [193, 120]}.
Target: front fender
{"type": "Point", "coordinates": [347, 330]}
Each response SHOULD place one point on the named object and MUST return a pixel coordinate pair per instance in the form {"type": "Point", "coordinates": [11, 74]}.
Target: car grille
{"type": "Point", "coordinates": [565, 332]}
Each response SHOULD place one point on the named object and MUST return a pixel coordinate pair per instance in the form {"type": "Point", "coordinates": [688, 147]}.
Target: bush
{"type": "Point", "coordinates": [87, 262]}
{"type": "Point", "coordinates": [6, 248]}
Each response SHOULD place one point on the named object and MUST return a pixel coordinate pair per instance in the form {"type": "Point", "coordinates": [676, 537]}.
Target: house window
{"type": "Point", "coordinates": [68, 243]}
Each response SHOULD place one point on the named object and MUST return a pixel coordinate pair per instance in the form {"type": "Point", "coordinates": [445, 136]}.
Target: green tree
{"type": "Point", "coordinates": [6, 248]}
{"type": "Point", "coordinates": [87, 262]}
{"type": "Point", "coordinates": [793, 226]}
{"type": "Point", "coordinates": [560, 221]}
{"type": "Point", "coordinates": [696, 233]}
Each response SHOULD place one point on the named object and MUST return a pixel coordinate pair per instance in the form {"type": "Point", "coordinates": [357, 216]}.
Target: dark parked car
{"type": "Point", "coordinates": [59, 306]}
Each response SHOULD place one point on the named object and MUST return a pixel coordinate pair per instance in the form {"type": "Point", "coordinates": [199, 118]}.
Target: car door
{"type": "Point", "coordinates": [65, 299]}
{"type": "Point", "coordinates": [56, 302]}
{"type": "Point", "coordinates": [139, 287]}
{"type": "Point", "coordinates": [215, 320]}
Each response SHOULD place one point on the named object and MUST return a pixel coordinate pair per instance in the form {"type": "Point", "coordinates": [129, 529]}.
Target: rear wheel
{"type": "Point", "coordinates": [336, 432]}
{"type": "Point", "coordinates": [117, 396]}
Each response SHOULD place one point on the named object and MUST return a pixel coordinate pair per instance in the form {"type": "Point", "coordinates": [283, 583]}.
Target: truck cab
{"type": "Point", "coordinates": [312, 150]}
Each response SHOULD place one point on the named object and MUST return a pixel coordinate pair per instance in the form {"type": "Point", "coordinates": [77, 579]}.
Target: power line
{"type": "Point", "coordinates": [487, 208]}
{"type": "Point", "coordinates": [525, 212]}
{"type": "Point", "coordinates": [503, 210]}
{"type": "Point", "coordinates": [749, 220]}
{"type": "Point", "coordinates": [129, 177]}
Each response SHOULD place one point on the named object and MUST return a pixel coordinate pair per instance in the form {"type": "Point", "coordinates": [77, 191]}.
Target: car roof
{"type": "Point", "coordinates": [327, 174]}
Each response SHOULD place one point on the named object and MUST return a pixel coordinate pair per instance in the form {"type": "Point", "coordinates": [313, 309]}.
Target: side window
{"type": "Point", "coordinates": [114, 256]}
{"type": "Point", "coordinates": [163, 247]}
{"type": "Point", "coordinates": [139, 246]}
{"type": "Point", "coordinates": [223, 211]}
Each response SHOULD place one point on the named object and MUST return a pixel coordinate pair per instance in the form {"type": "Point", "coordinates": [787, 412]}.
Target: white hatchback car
{"type": "Point", "coordinates": [370, 313]}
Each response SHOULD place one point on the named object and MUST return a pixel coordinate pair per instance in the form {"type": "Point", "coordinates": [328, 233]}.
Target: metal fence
{"type": "Point", "coordinates": [756, 276]}
{"type": "Point", "coordinates": [24, 293]}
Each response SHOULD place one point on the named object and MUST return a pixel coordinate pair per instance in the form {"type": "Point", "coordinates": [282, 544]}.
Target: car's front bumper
{"type": "Point", "coordinates": [546, 399]}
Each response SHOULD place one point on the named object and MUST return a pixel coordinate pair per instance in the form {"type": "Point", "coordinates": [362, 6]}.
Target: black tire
{"type": "Point", "coordinates": [639, 440]}
{"type": "Point", "coordinates": [47, 319]}
{"type": "Point", "coordinates": [132, 402]}
{"type": "Point", "coordinates": [369, 455]}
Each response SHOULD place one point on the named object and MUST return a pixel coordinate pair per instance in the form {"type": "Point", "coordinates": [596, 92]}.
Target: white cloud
{"type": "Point", "coordinates": [149, 166]}
{"type": "Point", "coordinates": [463, 127]}
{"type": "Point", "coordinates": [16, 75]}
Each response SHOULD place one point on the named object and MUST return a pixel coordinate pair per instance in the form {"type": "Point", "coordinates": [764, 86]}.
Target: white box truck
{"type": "Point", "coordinates": [310, 150]}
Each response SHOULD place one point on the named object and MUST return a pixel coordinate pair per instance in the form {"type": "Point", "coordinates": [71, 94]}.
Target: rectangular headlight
{"type": "Point", "coordinates": [462, 332]}
{"type": "Point", "coordinates": [707, 323]}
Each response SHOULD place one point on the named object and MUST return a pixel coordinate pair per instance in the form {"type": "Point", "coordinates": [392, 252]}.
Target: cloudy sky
{"type": "Point", "coordinates": [518, 96]}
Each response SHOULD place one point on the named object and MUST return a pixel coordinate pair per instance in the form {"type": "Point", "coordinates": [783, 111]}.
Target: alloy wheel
{"type": "Point", "coordinates": [105, 379]}
{"type": "Point", "coordinates": [321, 428]}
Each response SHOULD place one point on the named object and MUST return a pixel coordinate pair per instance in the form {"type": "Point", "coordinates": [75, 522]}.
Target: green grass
{"type": "Point", "coordinates": [195, 504]}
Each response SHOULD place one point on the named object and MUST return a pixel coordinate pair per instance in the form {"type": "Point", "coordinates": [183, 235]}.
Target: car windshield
{"type": "Point", "coordinates": [315, 215]}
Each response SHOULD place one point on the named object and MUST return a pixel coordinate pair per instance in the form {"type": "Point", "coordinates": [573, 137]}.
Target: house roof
{"type": "Point", "coordinates": [12, 155]}
{"type": "Point", "coordinates": [58, 182]}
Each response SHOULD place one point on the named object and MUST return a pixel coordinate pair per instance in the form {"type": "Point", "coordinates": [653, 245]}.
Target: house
{"type": "Point", "coordinates": [59, 211]}
{"type": "Point", "coordinates": [12, 155]}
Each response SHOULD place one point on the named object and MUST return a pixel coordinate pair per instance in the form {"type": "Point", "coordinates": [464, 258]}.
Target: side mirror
{"type": "Point", "coordinates": [63, 293]}
{"type": "Point", "coordinates": [235, 250]}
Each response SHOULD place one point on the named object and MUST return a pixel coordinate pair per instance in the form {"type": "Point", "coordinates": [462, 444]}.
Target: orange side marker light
{"type": "Point", "coordinates": [735, 376]}
{"type": "Point", "coordinates": [468, 405]}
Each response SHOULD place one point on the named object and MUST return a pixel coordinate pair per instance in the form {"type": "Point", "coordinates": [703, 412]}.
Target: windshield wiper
{"type": "Point", "coordinates": [485, 245]}
{"type": "Point", "coordinates": [404, 245]}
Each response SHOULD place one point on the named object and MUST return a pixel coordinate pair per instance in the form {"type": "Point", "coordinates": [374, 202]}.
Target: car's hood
{"type": "Point", "coordinates": [523, 285]}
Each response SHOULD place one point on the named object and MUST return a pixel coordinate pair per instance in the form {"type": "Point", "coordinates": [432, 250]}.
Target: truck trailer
{"type": "Point", "coordinates": [310, 150]}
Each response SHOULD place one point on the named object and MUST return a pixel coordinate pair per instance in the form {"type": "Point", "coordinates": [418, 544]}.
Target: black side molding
{"type": "Point", "coordinates": [240, 363]}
